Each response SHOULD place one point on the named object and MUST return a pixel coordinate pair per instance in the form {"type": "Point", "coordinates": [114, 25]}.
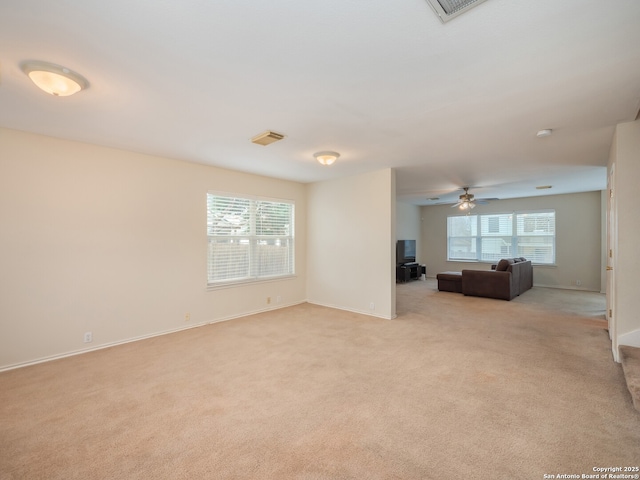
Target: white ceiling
{"type": "Point", "coordinates": [384, 83]}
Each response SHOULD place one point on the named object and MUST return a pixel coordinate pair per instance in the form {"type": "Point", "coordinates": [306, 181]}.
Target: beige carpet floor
{"type": "Point", "coordinates": [455, 387]}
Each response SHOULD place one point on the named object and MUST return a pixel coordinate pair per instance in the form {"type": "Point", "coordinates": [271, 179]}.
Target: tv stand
{"type": "Point", "coordinates": [409, 271]}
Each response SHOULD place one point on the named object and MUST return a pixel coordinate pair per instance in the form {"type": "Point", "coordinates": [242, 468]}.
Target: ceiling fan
{"type": "Point", "coordinates": [467, 201]}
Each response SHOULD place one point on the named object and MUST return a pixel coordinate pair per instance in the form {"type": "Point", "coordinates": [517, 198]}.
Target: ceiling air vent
{"type": "Point", "coordinates": [448, 9]}
{"type": "Point", "coordinates": [265, 138]}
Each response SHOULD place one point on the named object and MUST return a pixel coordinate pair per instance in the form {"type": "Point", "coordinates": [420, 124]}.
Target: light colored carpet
{"type": "Point", "coordinates": [630, 359]}
{"type": "Point", "coordinates": [455, 387]}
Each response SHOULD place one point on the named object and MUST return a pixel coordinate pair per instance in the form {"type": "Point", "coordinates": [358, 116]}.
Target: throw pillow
{"type": "Point", "coordinates": [503, 265]}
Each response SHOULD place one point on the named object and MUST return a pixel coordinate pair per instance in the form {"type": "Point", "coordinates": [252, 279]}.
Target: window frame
{"type": "Point", "coordinates": [254, 241]}
{"type": "Point", "coordinates": [513, 240]}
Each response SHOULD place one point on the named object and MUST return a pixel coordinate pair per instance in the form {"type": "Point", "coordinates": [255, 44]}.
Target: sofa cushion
{"type": "Point", "coordinates": [503, 265]}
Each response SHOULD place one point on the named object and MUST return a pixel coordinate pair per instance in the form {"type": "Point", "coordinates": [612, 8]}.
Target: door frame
{"type": "Point", "coordinates": [612, 244]}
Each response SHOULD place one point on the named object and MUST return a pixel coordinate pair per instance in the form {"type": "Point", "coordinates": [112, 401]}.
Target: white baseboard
{"type": "Point", "coordinates": [363, 312]}
{"type": "Point", "coordinates": [563, 287]}
{"type": "Point", "coordinates": [139, 338]}
{"type": "Point", "coordinates": [631, 339]}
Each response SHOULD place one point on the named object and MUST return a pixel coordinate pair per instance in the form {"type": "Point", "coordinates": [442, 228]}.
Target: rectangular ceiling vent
{"type": "Point", "coordinates": [266, 138]}
{"type": "Point", "coordinates": [448, 9]}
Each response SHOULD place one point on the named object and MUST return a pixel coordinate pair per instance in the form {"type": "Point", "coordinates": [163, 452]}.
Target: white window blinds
{"type": "Point", "coordinates": [249, 239]}
{"type": "Point", "coordinates": [537, 236]}
{"type": "Point", "coordinates": [488, 238]}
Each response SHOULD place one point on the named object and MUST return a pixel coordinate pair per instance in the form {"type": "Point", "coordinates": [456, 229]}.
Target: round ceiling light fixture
{"type": "Point", "coordinates": [326, 158]}
{"type": "Point", "coordinates": [544, 133]}
{"type": "Point", "coordinates": [54, 79]}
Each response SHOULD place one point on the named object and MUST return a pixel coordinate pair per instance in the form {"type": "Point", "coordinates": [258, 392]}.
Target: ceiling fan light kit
{"type": "Point", "coordinates": [467, 201]}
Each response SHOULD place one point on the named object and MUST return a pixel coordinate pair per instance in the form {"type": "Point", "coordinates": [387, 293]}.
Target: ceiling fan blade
{"type": "Point", "coordinates": [467, 200]}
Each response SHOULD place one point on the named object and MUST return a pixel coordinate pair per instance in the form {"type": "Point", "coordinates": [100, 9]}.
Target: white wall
{"type": "Point", "coordinates": [351, 243]}
{"type": "Point", "coordinates": [578, 239]}
{"type": "Point", "coordinates": [114, 242]}
{"type": "Point", "coordinates": [408, 225]}
{"type": "Point", "coordinates": [626, 156]}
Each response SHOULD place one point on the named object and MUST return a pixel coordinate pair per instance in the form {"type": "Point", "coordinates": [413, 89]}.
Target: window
{"type": "Point", "coordinates": [250, 239]}
{"type": "Point", "coordinates": [488, 238]}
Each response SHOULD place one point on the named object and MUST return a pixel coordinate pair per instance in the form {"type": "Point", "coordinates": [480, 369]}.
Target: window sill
{"type": "Point", "coordinates": [486, 262]}
{"type": "Point", "coordinates": [244, 282]}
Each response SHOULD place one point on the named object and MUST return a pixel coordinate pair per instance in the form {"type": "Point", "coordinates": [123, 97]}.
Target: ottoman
{"type": "Point", "coordinates": [450, 282]}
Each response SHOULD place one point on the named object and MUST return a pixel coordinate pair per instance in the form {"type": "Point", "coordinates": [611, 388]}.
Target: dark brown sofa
{"type": "Point", "coordinates": [508, 279]}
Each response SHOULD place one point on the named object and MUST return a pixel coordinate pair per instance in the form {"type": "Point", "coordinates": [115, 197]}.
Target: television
{"type": "Point", "coordinates": [405, 251]}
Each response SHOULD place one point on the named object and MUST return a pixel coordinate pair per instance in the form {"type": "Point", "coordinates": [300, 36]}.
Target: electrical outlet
{"type": "Point", "coordinates": [372, 306]}
{"type": "Point", "coordinates": [268, 300]}
{"type": "Point", "coordinates": [187, 317]}
{"type": "Point", "coordinates": [88, 337]}
{"type": "Point", "coordinates": [578, 283]}
{"type": "Point", "coordinates": [278, 299]}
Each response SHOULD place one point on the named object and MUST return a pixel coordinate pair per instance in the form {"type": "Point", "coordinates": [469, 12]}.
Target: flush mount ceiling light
{"type": "Point", "coordinates": [267, 138]}
{"type": "Point", "coordinates": [326, 158]}
{"type": "Point", "coordinates": [54, 79]}
{"type": "Point", "coordinates": [448, 9]}
{"type": "Point", "coordinates": [544, 133]}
